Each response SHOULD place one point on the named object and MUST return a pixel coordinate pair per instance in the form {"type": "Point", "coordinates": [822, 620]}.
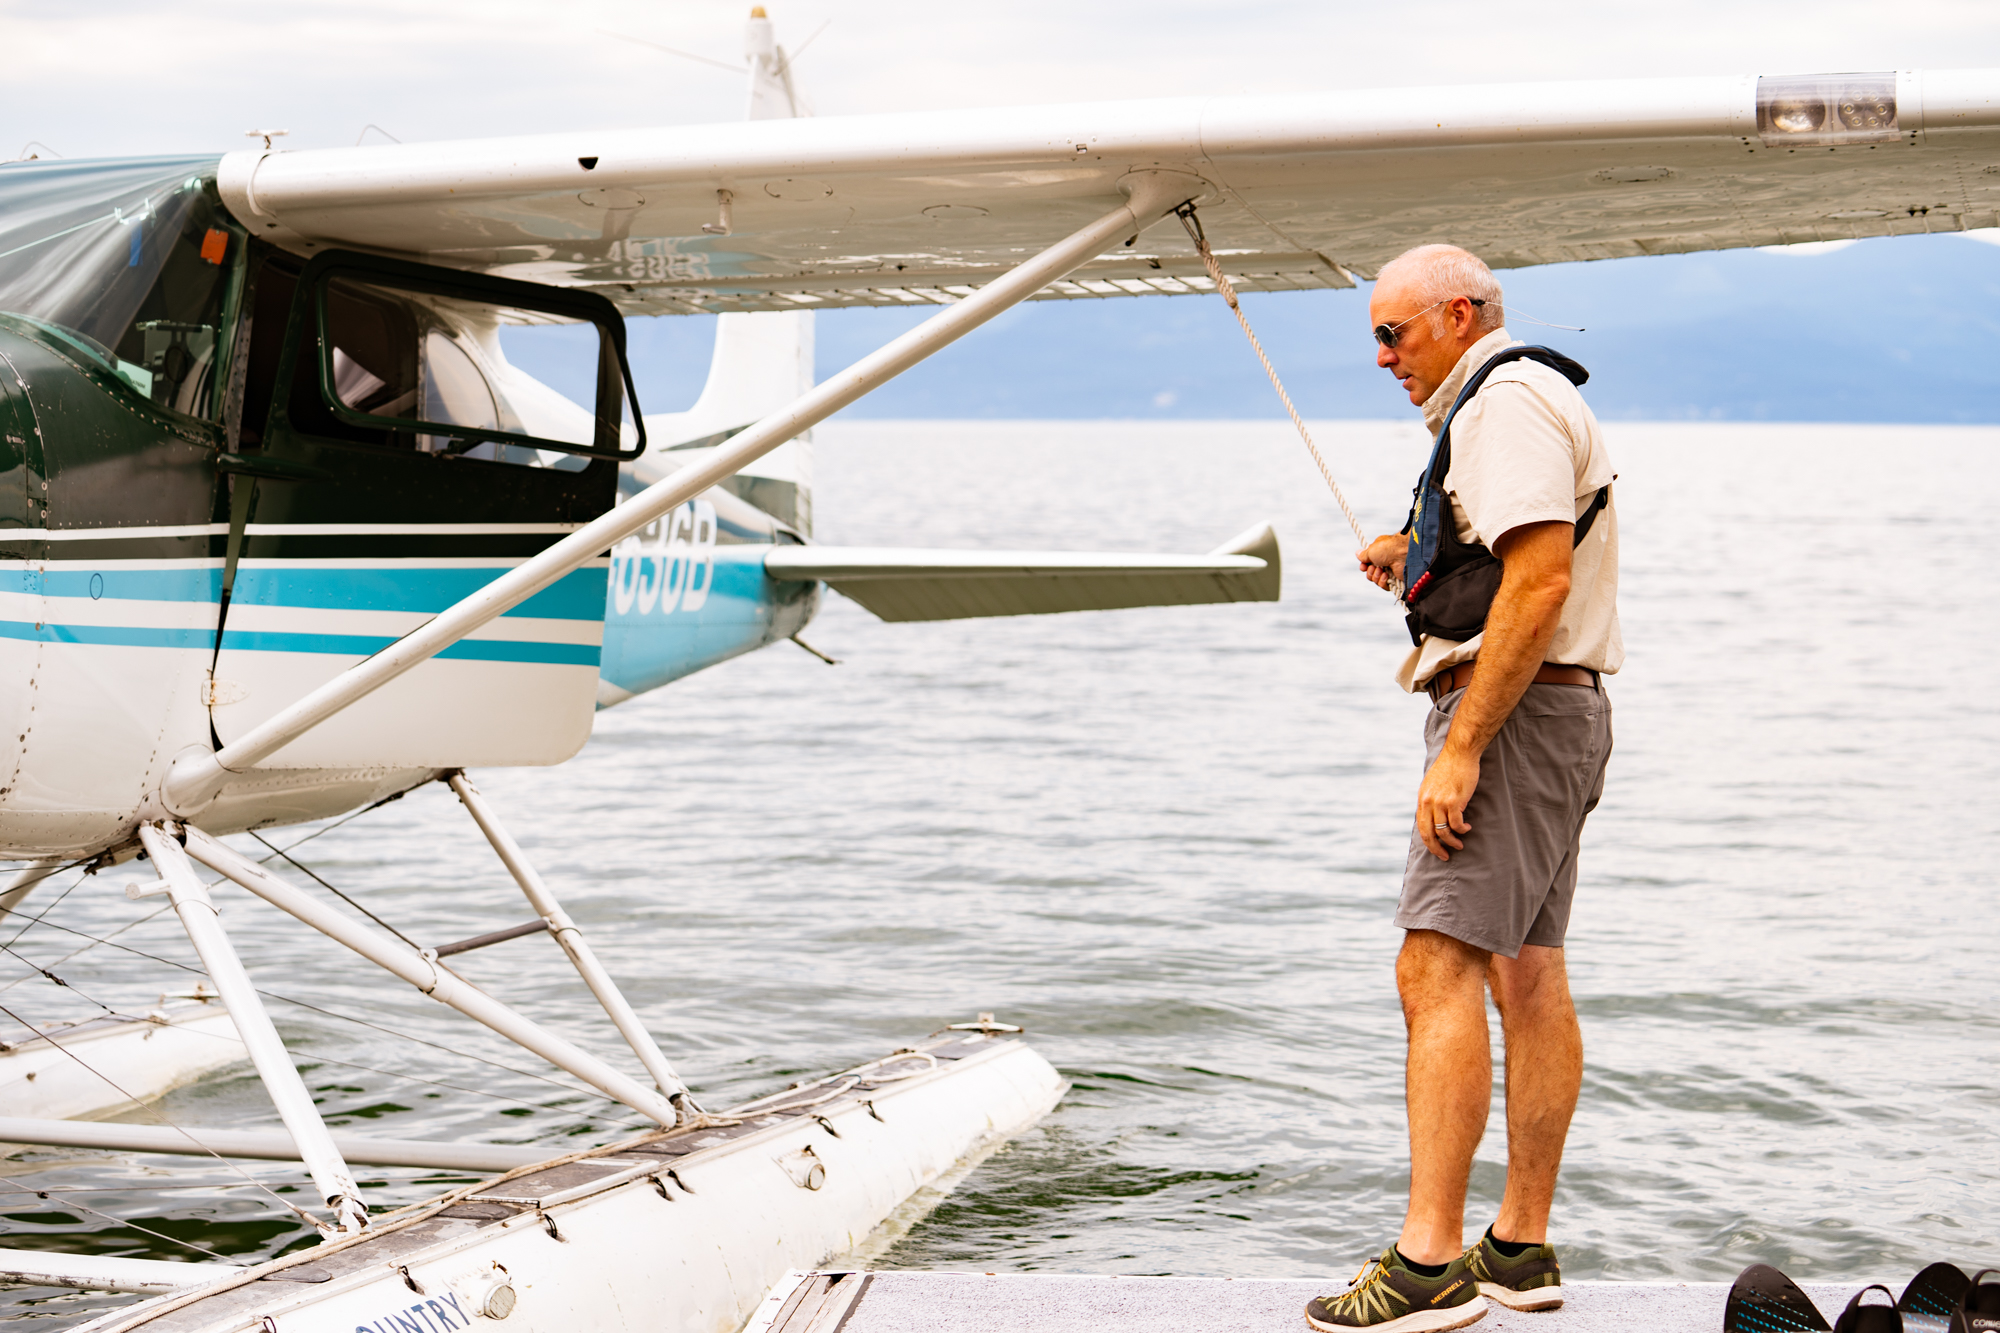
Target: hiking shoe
{"type": "Point", "coordinates": [1387, 1297]}
{"type": "Point", "coordinates": [1531, 1282]}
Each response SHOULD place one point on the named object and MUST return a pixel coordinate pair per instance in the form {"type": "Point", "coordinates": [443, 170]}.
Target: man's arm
{"type": "Point", "coordinates": [1534, 584]}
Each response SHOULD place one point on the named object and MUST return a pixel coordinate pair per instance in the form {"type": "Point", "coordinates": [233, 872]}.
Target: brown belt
{"type": "Point", "coordinates": [1550, 673]}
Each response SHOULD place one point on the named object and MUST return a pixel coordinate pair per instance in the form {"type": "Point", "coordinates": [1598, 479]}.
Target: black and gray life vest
{"type": "Point", "coordinates": [1449, 584]}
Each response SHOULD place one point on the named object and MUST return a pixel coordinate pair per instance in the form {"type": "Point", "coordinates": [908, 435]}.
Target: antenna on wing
{"type": "Point", "coordinates": [772, 93]}
{"type": "Point", "coordinates": [786, 60]}
{"type": "Point", "coordinates": [1512, 313]}
{"type": "Point", "coordinates": [675, 51]}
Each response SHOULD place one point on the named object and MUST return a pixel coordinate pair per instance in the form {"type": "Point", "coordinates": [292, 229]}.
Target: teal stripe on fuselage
{"type": "Point", "coordinates": [347, 645]}
{"type": "Point", "coordinates": [366, 645]}
{"type": "Point", "coordinates": [744, 610]}
{"type": "Point", "coordinates": [194, 583]}
{"type": "Point", "coordinates": [119, 636]}
{"type": "Point", "coordinates": [577, 596]}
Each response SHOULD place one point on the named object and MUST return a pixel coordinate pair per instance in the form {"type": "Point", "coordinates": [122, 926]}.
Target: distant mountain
{"type": "Point", "coordinates": [1903, 329]}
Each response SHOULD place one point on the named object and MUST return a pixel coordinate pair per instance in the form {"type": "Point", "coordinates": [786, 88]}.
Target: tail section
{"type": "Point", "coordinates": [773, 95]}
{"type": "Point", "coordinates": [762, 362]}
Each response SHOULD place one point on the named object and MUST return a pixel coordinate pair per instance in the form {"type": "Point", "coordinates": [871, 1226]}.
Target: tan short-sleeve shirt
{"type": "Point", "coordinates": [1527, 449]}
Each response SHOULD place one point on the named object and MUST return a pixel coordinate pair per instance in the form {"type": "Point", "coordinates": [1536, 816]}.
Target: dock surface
{"type": "Point", "coordinates": [897, 1302]}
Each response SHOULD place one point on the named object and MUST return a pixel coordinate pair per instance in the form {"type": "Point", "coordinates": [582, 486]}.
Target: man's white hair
{"type": "Point", "coordinates": [1437, 273]}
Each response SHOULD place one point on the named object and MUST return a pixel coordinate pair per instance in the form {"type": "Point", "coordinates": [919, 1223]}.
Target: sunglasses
{"type": "Point", "coordinates": [1387, 334]}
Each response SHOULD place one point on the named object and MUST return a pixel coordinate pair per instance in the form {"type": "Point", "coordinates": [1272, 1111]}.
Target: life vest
{"type": "Point", "coordinates": [1449, 584]}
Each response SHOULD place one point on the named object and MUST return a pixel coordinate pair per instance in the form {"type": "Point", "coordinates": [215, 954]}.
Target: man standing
{"type": "Point", "coordinates": [1513, 610]}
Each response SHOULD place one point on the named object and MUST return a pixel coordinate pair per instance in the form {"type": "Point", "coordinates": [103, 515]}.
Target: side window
{"type": "Point", "coordinates": [425, 366]}
{"type": "Point", "coordinates": [374, 343]}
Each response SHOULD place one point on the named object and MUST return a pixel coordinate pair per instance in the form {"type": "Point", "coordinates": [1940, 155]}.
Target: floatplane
{"type": "Point", "coordinates": [286, 532]}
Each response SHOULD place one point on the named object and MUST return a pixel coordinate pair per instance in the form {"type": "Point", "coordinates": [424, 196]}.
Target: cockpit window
{"type": "Point", "coordinates": [375, 337]}
{"type": "Point", "coordinates": [432, 360]}
{"type": "Point", "coordinates": [126, 262]}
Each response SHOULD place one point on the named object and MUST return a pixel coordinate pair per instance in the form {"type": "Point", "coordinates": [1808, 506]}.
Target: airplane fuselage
{"type": "Point", "coordinates": [225, 482]}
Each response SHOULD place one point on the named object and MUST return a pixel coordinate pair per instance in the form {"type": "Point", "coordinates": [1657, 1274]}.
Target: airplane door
{"type": "Point", "coordinates": [402, 465]}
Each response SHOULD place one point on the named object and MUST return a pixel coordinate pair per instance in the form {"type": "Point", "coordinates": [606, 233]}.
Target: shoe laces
{"type": "Point", "coordinates": [1379, 1271]}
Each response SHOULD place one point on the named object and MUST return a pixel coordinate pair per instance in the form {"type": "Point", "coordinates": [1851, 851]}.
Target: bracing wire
{"type": "Point", "coordinates": [359, 1022]}
{"type": "Point", "coordinates": [33, 921]}
{"type": "Point", "coordinates": [21, 958]}
{"type": "Point", "coordinates": [94, 942]}
{"type": "Point", "coordinates": [284, 852]}
{"type": "Point", "coordinates": [166, 1120]}
{"type": "Point", "coordinates": [310, 873]}
{"type": "Point", "coordinates": [41, 916]}
{"type": "Point", "coordinates": [127, 1187]}
{"type": "Point", "coordinates": [317, 1059]}
{"type": "Point", "coordinates": [86, 1208]}
{"type": "Point", "coordinates": [247, 1180]}
{"type": "Point", "coordinates": [524, 1073]}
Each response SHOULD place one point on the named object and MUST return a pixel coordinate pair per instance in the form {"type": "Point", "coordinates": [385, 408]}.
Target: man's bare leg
{"type": "Point", "coordinates": [1448, 1086]}
{"type": "Point", "coordinates": [1544, 1076]}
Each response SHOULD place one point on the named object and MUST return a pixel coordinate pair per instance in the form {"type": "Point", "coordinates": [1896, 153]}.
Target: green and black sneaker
{"type": "Point", "coordinates": [1529, 1281]}
{"type": "Point", "coordinates": [1387, 1296]}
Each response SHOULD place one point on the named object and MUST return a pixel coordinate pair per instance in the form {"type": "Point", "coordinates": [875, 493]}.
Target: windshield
{"type": "Point", "coordinates": [126, 261]}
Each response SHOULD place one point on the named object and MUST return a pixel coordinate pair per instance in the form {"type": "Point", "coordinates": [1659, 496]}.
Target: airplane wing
{"type": "Point", "coordinates": [900, 584]}
{"type": "Point", "coordinates": [1296, 191]}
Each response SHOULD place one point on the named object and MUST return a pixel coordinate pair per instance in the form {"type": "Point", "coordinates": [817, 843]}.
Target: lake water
{"type": "Point", "coordinates": [1169, 842]}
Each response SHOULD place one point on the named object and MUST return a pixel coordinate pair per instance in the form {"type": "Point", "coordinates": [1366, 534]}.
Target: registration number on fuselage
{"type": "Point", "coordinates": [668, 566]}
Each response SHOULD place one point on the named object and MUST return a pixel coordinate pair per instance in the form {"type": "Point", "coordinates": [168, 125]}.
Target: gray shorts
{"type": "Point", "coordinates": [1514, 881]}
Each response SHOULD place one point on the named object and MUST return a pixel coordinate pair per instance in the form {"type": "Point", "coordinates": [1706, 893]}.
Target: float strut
{"type": "Point", "coordinates": [433, 978]}
{"type": "Point", "coordinates": [246, 1008]}
{"type": "Point", "coordinates": [572, 941]}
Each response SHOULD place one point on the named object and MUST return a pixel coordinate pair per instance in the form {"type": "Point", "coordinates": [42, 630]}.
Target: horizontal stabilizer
{"type": "Point", "coordinates": [908, 584]}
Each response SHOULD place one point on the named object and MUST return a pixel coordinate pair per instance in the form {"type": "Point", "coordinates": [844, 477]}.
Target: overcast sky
{"type": "Point", "coordinates": [144, 76]}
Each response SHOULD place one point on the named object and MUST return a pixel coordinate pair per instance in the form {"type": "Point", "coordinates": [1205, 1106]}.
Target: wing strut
{"type": "Point", "coordinates": [194, 780]}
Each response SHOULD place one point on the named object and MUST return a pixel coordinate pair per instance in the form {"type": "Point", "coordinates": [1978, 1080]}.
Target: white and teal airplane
{"type": "Point", "coordinates": [173, 591]}
{"type": "Point", "coordinates": [284, 532]}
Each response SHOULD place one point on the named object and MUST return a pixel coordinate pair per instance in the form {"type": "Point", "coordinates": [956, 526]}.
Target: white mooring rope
{"type": "Point", "coordinates": [1188, 219]}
